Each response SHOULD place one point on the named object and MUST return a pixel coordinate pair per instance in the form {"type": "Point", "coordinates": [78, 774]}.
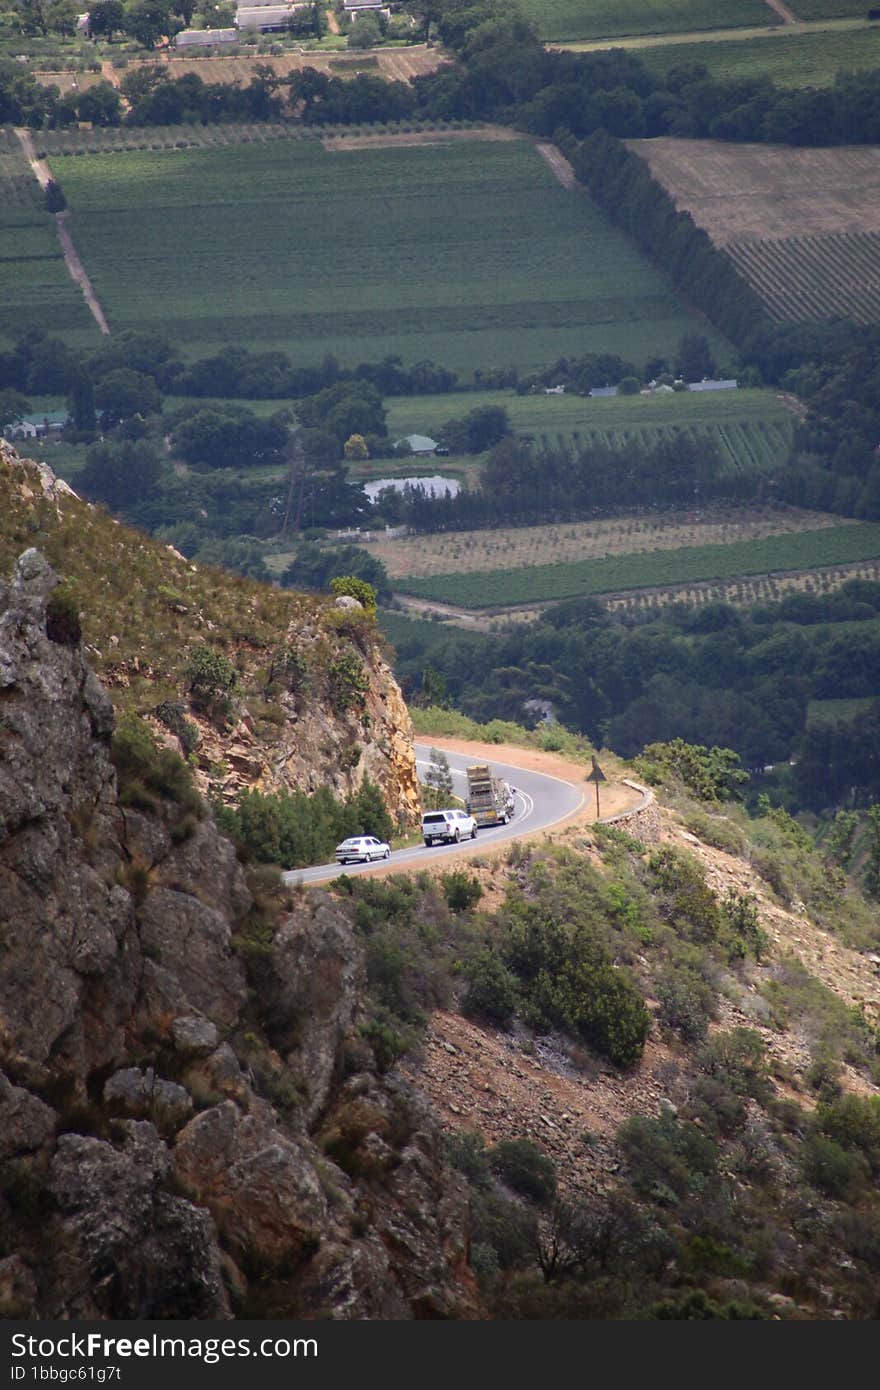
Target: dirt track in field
{"type": "Point", "coordinates": [75, 268]}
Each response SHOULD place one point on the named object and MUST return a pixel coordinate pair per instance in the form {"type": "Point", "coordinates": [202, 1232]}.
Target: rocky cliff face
{"type": "Point", "coordinates": [146, 609]}
{"type": "Point", "coordinates": [190, 1123]}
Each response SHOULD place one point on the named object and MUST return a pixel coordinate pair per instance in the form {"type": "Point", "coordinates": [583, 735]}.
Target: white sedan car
{"type": "Point", "coordinates": [362, 849]}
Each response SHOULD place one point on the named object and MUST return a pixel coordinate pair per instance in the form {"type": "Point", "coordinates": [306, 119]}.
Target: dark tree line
{"type": "Point", "coordinates": [716, 675]}
{"type": "Point", "coordinates": [524, 483]}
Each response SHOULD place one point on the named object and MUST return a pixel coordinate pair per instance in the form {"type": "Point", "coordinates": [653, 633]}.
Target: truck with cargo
{"type": "Point", "coordinates": [489, 799]}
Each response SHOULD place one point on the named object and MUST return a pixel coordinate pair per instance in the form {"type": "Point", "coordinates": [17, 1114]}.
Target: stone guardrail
{"type": "Point", "coordinates": [641, 820]}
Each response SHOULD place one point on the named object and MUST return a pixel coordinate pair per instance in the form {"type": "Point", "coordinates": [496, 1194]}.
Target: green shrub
{"type": "Point", "coordinates": [743, 931]}
{"type": "Point", "coordinates": [505, 1227]}
{"type": "Point", "coordinates": [831, 1169]}
{"type": "Point", "coordinates": [350, 585]}
{"type": "Point", "coordinates": [566, 975]}
{"type": "Point", "coordinates": [854, 1123]}
{"type": "Point", "coordinates": [296, 830]}
{"type": "Point", "coordinates": [467, 1152]}
{"type": "Point", "coordinates": [521, 1165]}
{"type": "Point", "coordinates": [667, 1159]}
{"type": "Point", "coordinates": [347, 683]}
{"type": "Point", "coordinates": [172, 714]}
{"type": "Point", "coordinates": [712, 774]}
{"type": "Point", "coordinates": [212, 680]}
{"type": "Point", "coordinates": [686, 1003]}
{"type": "Point", "coordinates": [697, 1306]}
{"type": "Point", "coordinates": [63, 623]}
{"type": "Point", "coordinates": [683, 897]}
{"type": "Point", "coordinates": [717, 831]}
{"type": "Point", "coordinates": [491, 992]}
{"type": "Point", "coordinates": [147, 774]}
{"type": "Point", "coordinates": [462, 890]}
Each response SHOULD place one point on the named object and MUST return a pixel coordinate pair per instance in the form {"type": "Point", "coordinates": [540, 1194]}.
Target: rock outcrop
{"type": "Point", "coordinates": [190, 1123]}
{"type": "Point", "coordinates": [286, 729]}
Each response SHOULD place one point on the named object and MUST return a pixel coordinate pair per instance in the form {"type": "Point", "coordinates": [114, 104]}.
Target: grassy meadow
{"type": "Point", "coordinates": [471, 254]}
{"type": "Point", "coordinates": [828, 9]}
{"type": "Point", "coordinates": [618, 573]}
{"type": "Point", "coordinates": [788, 59]}
{"type": "Point", "coordinates": [751, 429]}
{"type": "Point", "coordinates": [559, 20]}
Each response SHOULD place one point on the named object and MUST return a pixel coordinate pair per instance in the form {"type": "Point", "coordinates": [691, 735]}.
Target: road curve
{"type": "Point", "coordinates": [541, 801]}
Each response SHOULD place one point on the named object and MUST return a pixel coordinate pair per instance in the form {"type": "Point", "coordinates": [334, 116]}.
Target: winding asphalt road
{"type": "Point", "coordinates": [541, 801]}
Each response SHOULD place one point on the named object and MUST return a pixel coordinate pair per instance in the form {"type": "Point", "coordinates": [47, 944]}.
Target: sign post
{"type": "Point", "coordinates": [597, 776]}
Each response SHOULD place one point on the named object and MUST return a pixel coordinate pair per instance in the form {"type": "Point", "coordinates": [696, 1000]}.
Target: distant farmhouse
{"type": "Point", "coordinates": [355, 7]}
{"type": "Point", "coordinates": [417, 444]}
{"type": "Point", "coordinates": [36, 426]}
{"type": "Point", "coordinates": [267, 18]}
{"type": "Point", "coordinates": [205, 38]}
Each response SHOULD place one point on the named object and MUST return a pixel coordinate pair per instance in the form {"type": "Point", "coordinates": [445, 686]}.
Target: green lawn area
{"type": "Point", "coordinates": [752, 429]}
{"type": "Point", "coordinates": [567, 414]}
{"type": "Point", "coordinates": [835, 711]}
{"type": "Point", "coordinates": [617, 573]}
{"type": "Point", "coordinates": [791, 60]}
{"type": "Point", "coordinates": [559, 20]}
{"type": "Point", "coordinates": [471, 254]}
{"type": "Point", "coordinates": [829, 9]}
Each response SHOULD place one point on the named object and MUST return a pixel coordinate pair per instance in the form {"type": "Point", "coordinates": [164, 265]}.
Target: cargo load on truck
{"type": "Point", "coordinates": [489, 799]}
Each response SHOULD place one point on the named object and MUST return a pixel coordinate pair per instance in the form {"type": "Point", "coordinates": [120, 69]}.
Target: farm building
{"type": "Point", "coordinates": [267, 18]}
{"type": "Point", "coordinates": [724, 384]}
{"type": "Point", "coordinates": [205, 38]}
{"type": "Point", "coordinates": [36, 426]}
{"type": "Point", "coordinates": [417, 444]}
{"type": "Point", "coordinates": [599, 391]}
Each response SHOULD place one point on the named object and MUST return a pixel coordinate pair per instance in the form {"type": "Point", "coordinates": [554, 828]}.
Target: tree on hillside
{"type": "Point", "coordinates": [120, 475]}
{"type": "Point", "coordinates": [12, 406]}
{"type": "Point", "coordinates": [123, 393]}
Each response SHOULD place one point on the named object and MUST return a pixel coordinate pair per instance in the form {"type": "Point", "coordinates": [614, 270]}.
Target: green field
{"type": "Point", "coordinates": [470, 254]}
{"type": "Point", "coordinates": [829, 9]}
{"type": "Point", "coordinates": [35, 288]}
{"type": "Point", "coordinates": [751, 429]}
{"type": "Point", "coordinates": [618, 573]}
{"type": "Point", "coordinates": [790, 60]}
{"type": "Point", "coordinates": [835, 711]}
{"type": "Point", "coordinates": [559, 20]}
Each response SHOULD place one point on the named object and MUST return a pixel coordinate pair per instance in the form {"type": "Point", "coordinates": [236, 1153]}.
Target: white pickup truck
{"type": "Point", "coordinates": [448, 827]}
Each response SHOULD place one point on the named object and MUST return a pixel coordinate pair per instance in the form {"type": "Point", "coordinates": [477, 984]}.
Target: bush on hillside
{"type": "Point", "coordinates": [522, 1165]}
{"type": "Point", "coordinates": [147, 774]}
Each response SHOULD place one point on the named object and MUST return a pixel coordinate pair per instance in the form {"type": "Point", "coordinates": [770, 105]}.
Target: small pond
{"type": "Point", "coordinates": [435, 485]}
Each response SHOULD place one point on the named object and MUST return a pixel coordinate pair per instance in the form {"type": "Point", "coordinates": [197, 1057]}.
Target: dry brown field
{"type": "Point", "coordinates": [400, 64]}
{"type": "Point", "coordinates": [801, 225]}
{"type": "Point", "coordinates": [755, 192]}
{"type": "Point", "coordinates": [470, 552]}
{"type": "Point", "coordinates": [68, 82]}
